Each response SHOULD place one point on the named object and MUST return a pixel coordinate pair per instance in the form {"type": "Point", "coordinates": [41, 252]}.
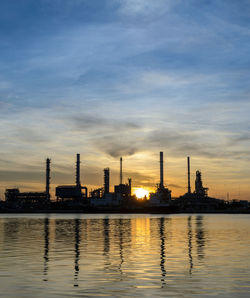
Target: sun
{"type": "Point", "coordinates": [141, 193]}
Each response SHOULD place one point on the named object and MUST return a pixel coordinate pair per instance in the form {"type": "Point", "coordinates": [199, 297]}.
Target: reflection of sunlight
{"type": "Point", "coordinates": [141, 230]}
{"type": "Point", "coordinates": [141, 193]}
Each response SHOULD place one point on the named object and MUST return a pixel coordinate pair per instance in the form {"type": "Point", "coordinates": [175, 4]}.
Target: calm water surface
{"type": "Point", "coordinates": [125, 255]}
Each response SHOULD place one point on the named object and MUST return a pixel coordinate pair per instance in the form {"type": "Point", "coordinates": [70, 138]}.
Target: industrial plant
{"type": "Point", "coordinates": [77, 198]}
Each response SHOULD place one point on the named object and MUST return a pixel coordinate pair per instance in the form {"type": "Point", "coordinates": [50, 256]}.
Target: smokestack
{"type": "Point", "coordinates": [106, 180]}
{"type": "Point", "coordinates": [161, 170]}
{"type": "Point", "coordinates": [120, 170]}
{"type": "Point", "coordinates": [188, 164]}
{"type": "Point", "coordinates": [130, 185]}
{"type": "Point", "coordinates": [78, 183]}
{"type": "Point", "coordinates": [48, 178]}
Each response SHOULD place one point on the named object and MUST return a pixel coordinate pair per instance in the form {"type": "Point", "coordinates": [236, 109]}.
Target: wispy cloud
{"type": "Point", "coordinates": [144, 7]}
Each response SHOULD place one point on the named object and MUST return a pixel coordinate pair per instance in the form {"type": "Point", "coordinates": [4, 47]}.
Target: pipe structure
{"type": "Point", "coordinates": [106, 180]}
{"type": "Point", "coordinates": [188, 165]}
{"type": "Point", "coordinates": [78, 183]}
{"type": "Point", "coordinates": [48, 178]}
{"type": "Point", "coordinates": [161, 170]}
{"type": "Point", "coordinates": [86, 191]}
{"type": "Point", "coordinates": [120, 170]}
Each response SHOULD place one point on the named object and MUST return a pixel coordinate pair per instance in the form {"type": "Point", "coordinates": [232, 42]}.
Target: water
{"type": "Point", "coordinates": [125, 255]}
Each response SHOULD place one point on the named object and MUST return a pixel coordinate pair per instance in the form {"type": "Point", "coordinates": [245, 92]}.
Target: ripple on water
{"type": "Point", "coordinates": [125, 256]}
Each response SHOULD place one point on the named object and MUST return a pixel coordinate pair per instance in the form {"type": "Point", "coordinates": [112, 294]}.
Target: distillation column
{"type": "Point", "coordinates": [161, 170]}
{"type": "Point", "coordinates": [78, 183]}
{"type": "Point", "coordinates": [120, 170]}
{"type": "Point", "coordinates": [48, 178]}
{"type": "Point", "coordinates": [188, 164]}
{"type": "Point", "coordinates": [106, 180]}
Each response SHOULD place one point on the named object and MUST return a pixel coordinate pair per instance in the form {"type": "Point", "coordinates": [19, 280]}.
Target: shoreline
{"type": "Point", "coordinates": [68, 211]}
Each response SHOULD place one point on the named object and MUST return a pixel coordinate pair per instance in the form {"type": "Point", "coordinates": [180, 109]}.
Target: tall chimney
{"type": "Point", "coordinates": [106, 180]}
{"type": "Point", "coordinates": [188, 164]}
{"type": "Point", "coordinates": [130, 185]}
{"type": "Point", "coordinates": [78, 183]}
{"type": "Point", "coordinates": [120, 170]}
{"type": "Point", "coordinates": [48, 178]}
{"type": "Point", "coordinates": [161, 170]}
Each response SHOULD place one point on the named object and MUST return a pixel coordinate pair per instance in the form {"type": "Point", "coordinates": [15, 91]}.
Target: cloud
{"type": "Point", "coordinates": [21, 176]}
{"type": "Point", "coordinates": [144, 7]}
{"type": "Point", "coordinates": [85, 122]}
{"type": "Point", "coordinates": [116, 146]}
{"type": "Point", "coordinates": [175, 186]}
{"type": "Point", "coordinates": [110, 136]}
{"type": "Point", "coordinates": [31, 136]}
{"type": "Point", "coordinates": [236, 139]}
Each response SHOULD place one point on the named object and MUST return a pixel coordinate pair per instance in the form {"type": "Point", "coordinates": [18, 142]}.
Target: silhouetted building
{"type": "Point", "coordinates": [75, 192]}
{"type": "Point", "coordinates": [199, 189]}
{"type": "Point", "coordinates": [162, 196]}
{"type": "Point", "coordinates": [123, 190]}
{"type": "Point", "coordinates": [15, 198]}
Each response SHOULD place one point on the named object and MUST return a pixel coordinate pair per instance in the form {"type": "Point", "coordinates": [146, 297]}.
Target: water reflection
{"type": "Point", "coordinates": [200, 237]}
{"type": "Point", "coordinates": [106, 242]}
{"type": "Point", "coordinates": [118, 232]}
{"type": "Point", "coordinates": [106, 236]}
{"type": "Point", "coordinates": [46, 249]}
{"type": "Point", "coordinates": [162, 251]}
{"type": "Point", "coordinates": [146, 253]}
{"type": "Point", "coordinates": [77, 250]}
{"type": "Point", "coordinates": [11, 229]}
{"type": "Point", "coordinates": [121, 224]}
{"type": "Point", "coordinates": [190, 244]}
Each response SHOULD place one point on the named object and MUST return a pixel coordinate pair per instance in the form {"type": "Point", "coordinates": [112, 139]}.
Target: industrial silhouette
{"type": "Point", "coordinates": [76, 197]}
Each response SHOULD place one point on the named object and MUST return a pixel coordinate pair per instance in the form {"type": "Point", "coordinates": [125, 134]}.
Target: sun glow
{"type": "Point", "coordinates": [141, 193]}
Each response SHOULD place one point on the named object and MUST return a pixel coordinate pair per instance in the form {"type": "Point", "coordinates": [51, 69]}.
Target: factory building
{"type": "Point", "coordinates": [162, 196]}
{"type": "Point", "coordinates": [197, 200]}
{"type": "Point", "coordinates": [123, 189]}
{"type": "Point", "coordinates": [200, 191]}
{"type": "Point", "coordinates": [14, 197]}
{"type": "Point", "coordinates": [72, 192]}
{"type": "Point", "coordinates": [102, 197]}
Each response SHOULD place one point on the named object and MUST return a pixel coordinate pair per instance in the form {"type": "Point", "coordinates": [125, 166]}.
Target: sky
{"type": "Point", "coordinates": [127, 78]}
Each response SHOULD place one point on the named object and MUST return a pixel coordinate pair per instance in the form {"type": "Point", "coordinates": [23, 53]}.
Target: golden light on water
{"type": "Point", "coordinates": [141, 193]}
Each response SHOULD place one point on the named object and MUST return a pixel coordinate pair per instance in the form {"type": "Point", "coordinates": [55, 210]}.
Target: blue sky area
{"type": "Point", "coordinates": [125, 78]}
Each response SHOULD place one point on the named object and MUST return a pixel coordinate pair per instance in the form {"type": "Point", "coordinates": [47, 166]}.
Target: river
{"type": "Point", "coordinates": [101, 255]}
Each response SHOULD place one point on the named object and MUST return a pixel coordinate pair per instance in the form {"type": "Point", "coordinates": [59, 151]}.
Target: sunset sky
{"type": "Point", "coordinates": [111, 78]}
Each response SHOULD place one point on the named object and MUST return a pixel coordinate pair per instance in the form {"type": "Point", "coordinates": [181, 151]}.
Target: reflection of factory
{"type": "Point", "coordinates": [19, 199]}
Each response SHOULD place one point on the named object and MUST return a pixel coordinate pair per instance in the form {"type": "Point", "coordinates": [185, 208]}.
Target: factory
{"type": "Point", "coordinates": [198, 200]}
{"type": "Point", "coordinates": [77, 198]}
{"type": "Point", "coordinates": [17, 199]}
{"type": "Point", "coordinates": [102, 197]}
{"type": "Point", "coordinates": [75, 192]}
{"type": "Point", "coordinates": [200, 191]}
{"type": "Point", "coordinates": [162, 196]}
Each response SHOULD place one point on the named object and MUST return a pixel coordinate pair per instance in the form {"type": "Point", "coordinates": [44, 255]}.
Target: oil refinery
{"type": "Point", "coordinates": [77, 198]}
